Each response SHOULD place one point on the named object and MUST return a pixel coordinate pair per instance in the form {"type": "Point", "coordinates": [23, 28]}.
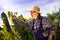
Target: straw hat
{"type": "Point", "coordinates": [35, 8]}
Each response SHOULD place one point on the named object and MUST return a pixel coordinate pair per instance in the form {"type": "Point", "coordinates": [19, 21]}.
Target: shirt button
{"type": "Point", "coordinates": [34, 27]}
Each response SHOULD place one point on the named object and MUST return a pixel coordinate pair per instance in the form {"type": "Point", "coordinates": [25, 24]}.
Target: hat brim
{"type": "Point", "coordinates": [34, 10]}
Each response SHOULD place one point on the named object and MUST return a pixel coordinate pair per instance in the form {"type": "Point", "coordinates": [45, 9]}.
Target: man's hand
{"type": "Point", "coordinates": [14, 17]}
{"type": "Point", "coordinates": [50, 37]}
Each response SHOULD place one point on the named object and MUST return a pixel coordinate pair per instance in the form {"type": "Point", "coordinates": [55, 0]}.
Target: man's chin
{"type": "Point", "coordinates": [35, 18]}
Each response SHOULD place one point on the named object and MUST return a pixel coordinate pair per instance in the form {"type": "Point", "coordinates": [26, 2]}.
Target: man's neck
{"type": "Point", "coordinates": [38, 18]}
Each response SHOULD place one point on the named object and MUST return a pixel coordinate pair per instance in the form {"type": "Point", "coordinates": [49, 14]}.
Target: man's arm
{"type": "Point", "coordinates": [20, 22]}
{"type": "Point", "coordinates": [52, 29]}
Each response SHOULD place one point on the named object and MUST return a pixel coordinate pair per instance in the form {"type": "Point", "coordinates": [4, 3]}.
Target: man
{"type": "Point", "coordinates": [41, 27]}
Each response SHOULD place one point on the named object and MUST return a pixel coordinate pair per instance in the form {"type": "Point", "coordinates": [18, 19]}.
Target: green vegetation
{"type": "Point", "coordinates": [11, 32]}
{"type": "Point", "coordinates": [55, 18]}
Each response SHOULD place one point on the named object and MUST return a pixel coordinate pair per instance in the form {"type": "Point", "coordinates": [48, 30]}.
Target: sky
{"type": "Point", "coordinates": [23, 6]}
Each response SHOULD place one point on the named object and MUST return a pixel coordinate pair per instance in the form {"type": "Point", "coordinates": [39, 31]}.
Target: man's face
{"type": "Point", "coordinates": [34, 14]}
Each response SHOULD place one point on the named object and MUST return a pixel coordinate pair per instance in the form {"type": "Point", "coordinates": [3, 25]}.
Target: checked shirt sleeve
{"type": "Point", "coordinates": [52, 28]}
{"type": "Point", "coordinates": [23, 23]}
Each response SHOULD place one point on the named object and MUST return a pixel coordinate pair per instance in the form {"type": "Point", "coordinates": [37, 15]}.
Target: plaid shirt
{"type": "Point", "coordinates": [46, 25]}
